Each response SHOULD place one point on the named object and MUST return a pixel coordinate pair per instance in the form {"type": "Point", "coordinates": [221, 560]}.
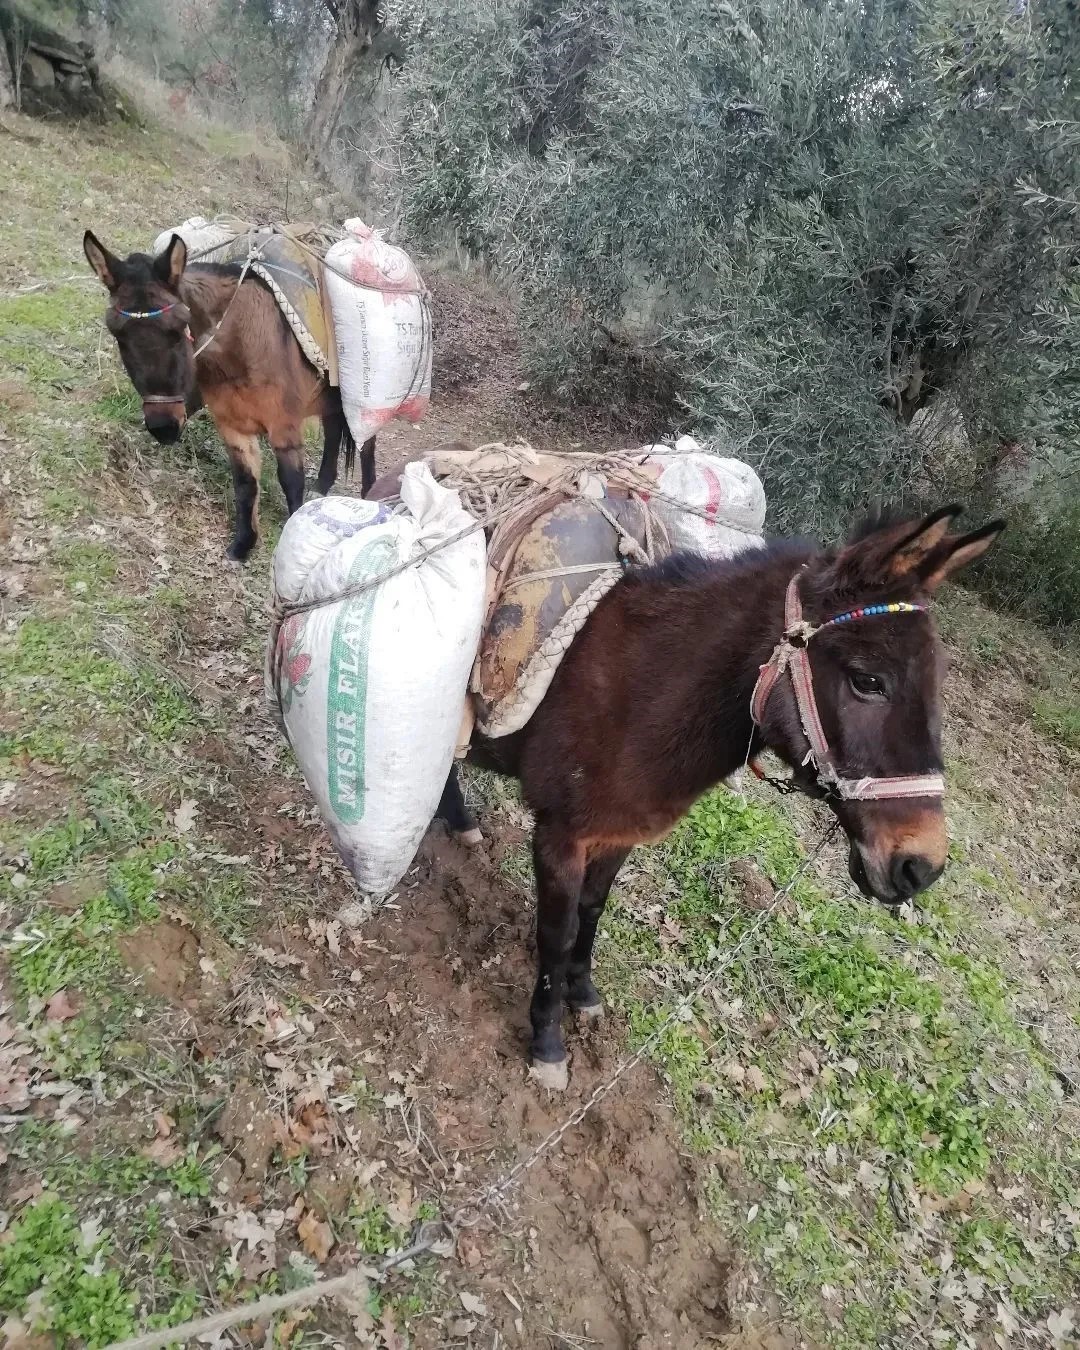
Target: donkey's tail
{"type": "Point", "coordinates": [348, 444]}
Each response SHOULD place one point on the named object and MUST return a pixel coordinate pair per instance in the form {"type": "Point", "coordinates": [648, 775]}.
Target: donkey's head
{"type": "Point", "coordinates": [150, 324]}
{"type": "Point", "coordinates": [875, 686]}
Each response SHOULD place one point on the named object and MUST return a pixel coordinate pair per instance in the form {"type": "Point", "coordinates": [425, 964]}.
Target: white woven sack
{"type": "Point", "coordinates": [382, 324]}
{"type": "Point", "coordinates": [726, 498]}
{"type": "Point", "coordinates": [199, 234]}
{"type": "Point", "coordinates": [369, 688]}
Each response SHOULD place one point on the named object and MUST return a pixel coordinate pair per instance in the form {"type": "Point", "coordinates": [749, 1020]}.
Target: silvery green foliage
{"type": "Point", "coordinates": [800, 219]}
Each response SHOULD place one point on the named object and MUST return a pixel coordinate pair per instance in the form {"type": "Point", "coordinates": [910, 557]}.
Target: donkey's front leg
{"type": "Point", "coordinates": [559, 860]}
{"type": "Point", "coordinates": [245, 458]}
{"type": "Point", "coordinates": [599, 877]}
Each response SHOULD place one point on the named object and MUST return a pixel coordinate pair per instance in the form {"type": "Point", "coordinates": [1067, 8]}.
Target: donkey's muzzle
{"type": "Point", "coordinates": [911, 873]}
{"type": "Point", "coordinates": [900, 877]}
{"type": "Point", "coordinates": [165, 430]}
{"type": "Point", "coordinates": [898, 849]}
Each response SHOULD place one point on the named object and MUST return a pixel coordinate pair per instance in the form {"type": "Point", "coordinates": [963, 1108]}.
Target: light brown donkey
{"type": "Point", "coordinates": [208, 333]}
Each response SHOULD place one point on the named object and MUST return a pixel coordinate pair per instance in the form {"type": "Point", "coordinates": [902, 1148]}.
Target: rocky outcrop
{"type": "Point", "coordinates": [43, 72]}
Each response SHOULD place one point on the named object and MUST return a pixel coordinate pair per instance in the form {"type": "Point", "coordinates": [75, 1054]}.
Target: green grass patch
{"type": "Point", "coordinates": [40, 364]}
{"type": "Point", "coordinates": [226, 903]}
{"type": "Point", "coordinates": [884, 1069]}
{"type": "Point", "coordinates": [84, 1301]}
{"type": "Point", "coordinates": [53, 951]}
{"type": "Point", "coordinates": [65, 504]}
{"type": "Point", "coordinates": [116, 815]}
{"type": "Point", "coordinates": [121, 404]}
{"type": "Point", "coordinates": [58, 671]}
{"type": "Point", "coordinates": [1058, 718]}
{"type": "Point", "coordinates": [113, 1174]}
{"type": "Point", "coordinates": [60, 310]}
{"type": "Point", "coordinates": [154, 1290]}
{"type": "Point", "coordinates": [373, 1229]}
{"type": "Point", "coordinates": [86, 567]}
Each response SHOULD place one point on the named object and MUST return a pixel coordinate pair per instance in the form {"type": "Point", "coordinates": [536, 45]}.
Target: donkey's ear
{"type": "Point", "coordinates": [171, 261]}
{"type": "Point", "coordinates": [104, 263]}
{"type": "Point", "coordinates": [955, 552]}
{"type": "Point", "coordinates": [909, 552]}
{"type": "Point", "coordinates": [884, 551]}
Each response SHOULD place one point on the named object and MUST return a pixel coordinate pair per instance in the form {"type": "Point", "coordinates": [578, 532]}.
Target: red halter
{"type": "Point", "coordinates": [790, 655]}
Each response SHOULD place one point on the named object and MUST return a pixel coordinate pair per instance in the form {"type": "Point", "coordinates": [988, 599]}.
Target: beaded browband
{"type": "Point", "coordinates": [154, 314]}
{"type": "Point", "coordinates": [790, 655]}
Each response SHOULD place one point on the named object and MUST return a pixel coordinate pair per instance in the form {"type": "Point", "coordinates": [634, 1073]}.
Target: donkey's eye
{"type": "Point", "coordinates": [865, 685]}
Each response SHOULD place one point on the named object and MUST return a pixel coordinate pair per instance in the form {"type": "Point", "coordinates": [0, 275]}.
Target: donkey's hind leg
{"type": "Point", "coordinates": [457, 815]}
{"type": "Point", "coordinates": [559, 859]}
{"type": "Point", "coordinates": [336, 437]}
{"type": "Point", "coordinates": [290, 471]}
{"type": "Point", "coordinates": [245, 457]}
{"type": "Point", "coordinates": [599, 876]}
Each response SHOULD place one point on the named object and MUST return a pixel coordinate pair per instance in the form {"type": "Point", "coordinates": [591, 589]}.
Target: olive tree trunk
{"type": "Point", "coordinates": [356, 26]}
{"type": "Point", "coordinates": [7, 80]}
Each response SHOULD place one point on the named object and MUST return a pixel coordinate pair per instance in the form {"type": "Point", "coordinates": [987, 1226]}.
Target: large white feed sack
{"type": "Point", "coordinates": [369, 687]}
{"type": "Point", "coordinates": [724, 500]}
{"type": "Point", "coordinates": [382, 322]}
{"type": "Point", "coordinates": [206, 242]}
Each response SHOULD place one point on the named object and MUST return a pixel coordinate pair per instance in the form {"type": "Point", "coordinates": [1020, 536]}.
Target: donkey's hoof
{"type": "Point", "coordinates": [590, 1013]}
{"type": "Point", "coordinates": [554, 1076]}
{"type": "Point", "coordinates": [239, 552]}
{"type": "Point", "coordinates": [471, 838]}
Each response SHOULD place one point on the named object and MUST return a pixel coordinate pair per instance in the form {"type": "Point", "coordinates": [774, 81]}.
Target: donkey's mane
{"type": "Point", "coordinates": [691, 569]}
{"type": "Point", "coordinates": [209, 272]}
{"type": "Point", "coordinates": [880, 518]}
{"type": "Point", "coordinates": [220, 269]}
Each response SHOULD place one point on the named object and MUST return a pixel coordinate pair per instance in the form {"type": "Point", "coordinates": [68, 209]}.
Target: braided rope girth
{"type": "Point", "coordinates": [790, 655]}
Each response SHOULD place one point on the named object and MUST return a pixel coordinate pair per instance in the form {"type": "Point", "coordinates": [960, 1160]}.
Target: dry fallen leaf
{"type": "Point", "coordinates": [244, 1227]}
{"type": "Point", "coordinates": [184, 816]}
{"type": "Point", "coordinates": [60, 1007]}
{"type": "Point", "coordinates": [316, 1237]}
{"type": "Point", "coordinates": [16, 1335]}
{"type": "Point", "coordinates": [291, 1324]}
{"type": "Point", "coordinates": [164, 1152]}
{"type": "Point", "coordinates": [24, 1194]}
{"type": "Point", "coordinates": [469, 1253]}
{"type": "Point", "coordinates": [400, 1209]}
{"type": "Point", "coordinates": [473, 1305]}
{"type": "Point", "coordinates": [755, 1079]}
{"type": "Point", "coordinates": [1006, 1314]}
{"type": "Point", "coordinates": [392, 1338]}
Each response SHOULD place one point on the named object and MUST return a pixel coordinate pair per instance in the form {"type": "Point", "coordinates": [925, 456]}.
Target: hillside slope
{"type": "Point", "coordinates": [219, 1073]}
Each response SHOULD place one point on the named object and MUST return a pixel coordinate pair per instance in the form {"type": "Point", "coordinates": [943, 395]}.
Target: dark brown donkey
{"type": "Point", "coordinates": [652, 706]}
{"type": "Point", "coordinates": [250, 372]}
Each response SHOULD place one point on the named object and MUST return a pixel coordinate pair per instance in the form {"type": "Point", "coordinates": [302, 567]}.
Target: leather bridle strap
{"type": "Point", "coordinates": [790, 655]}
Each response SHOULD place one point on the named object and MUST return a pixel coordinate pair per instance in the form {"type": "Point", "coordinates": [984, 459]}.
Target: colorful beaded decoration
{"type": "Point", "coordinates": [144, 313]}
{"type": "Point", "coordinates": [896, 607]}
